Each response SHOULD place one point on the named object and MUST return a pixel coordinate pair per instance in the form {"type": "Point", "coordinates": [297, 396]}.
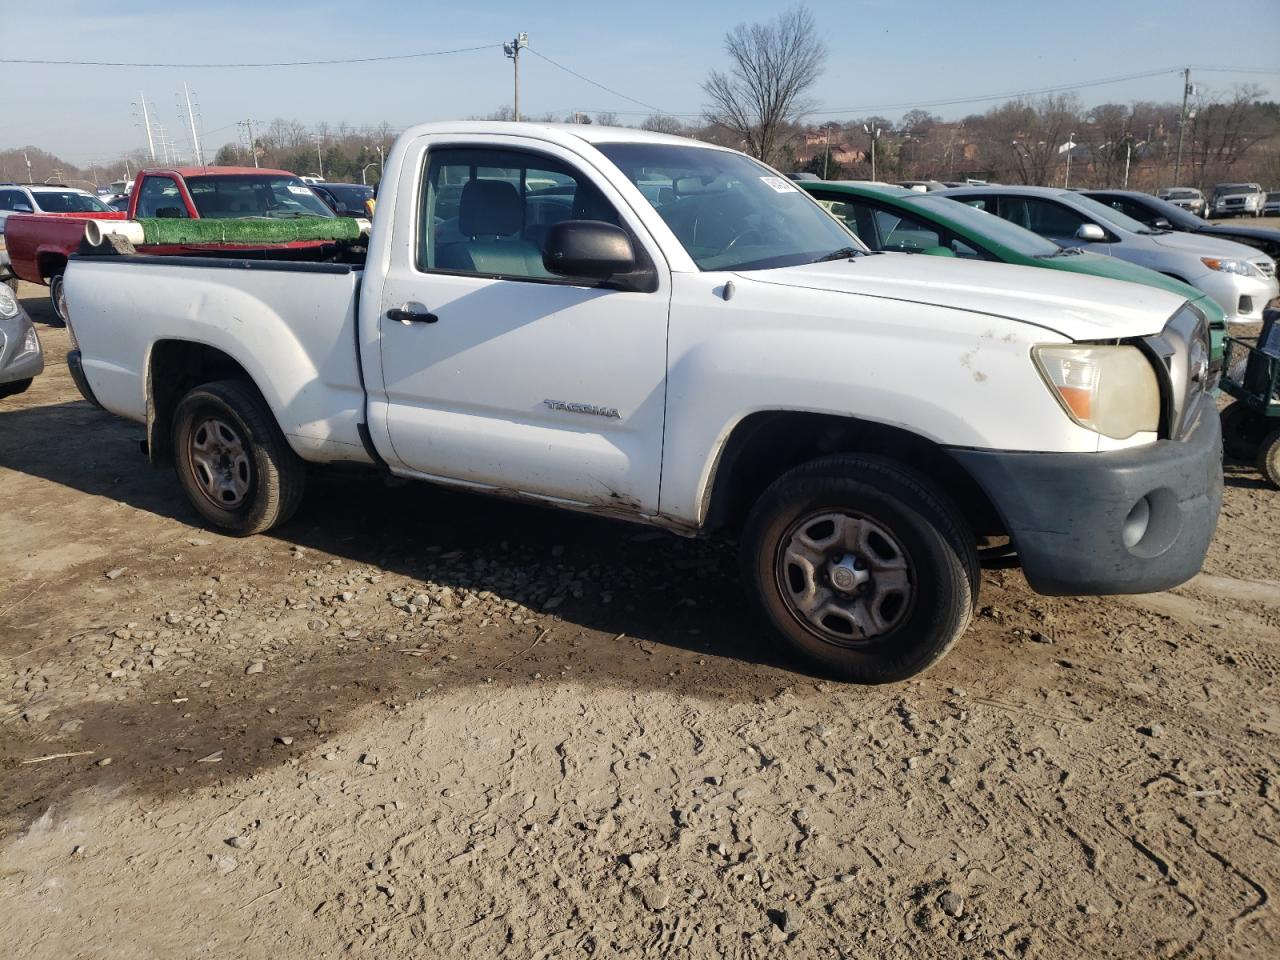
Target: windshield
{"type": "Point", "coordinates": [1181, 195]}
{"type": "Point", "coordinates": [1273, 196]}
{"type": "Point", "coordinates": [1103, 212]}
{"type": "Point", "coordinates": [1227, 189]}
{"type": "Point", "coordinates": [69, 201]}
{"type": "Point", "coordinates": [986, 225]}
{"type": "Point", "coordinates": [1176, 215]}
{"type": "Point", "coordinates": [728, 211]}
{"type": "Point", "coordinates": [352, 194]}
{"type": "Point", "coordinates": [255, 196]}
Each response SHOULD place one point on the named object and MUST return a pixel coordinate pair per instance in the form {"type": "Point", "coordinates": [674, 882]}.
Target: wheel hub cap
{"type": "Point", "coordinates": [845, 577]}
{"type": "Point", "coordinates": [219, 463]}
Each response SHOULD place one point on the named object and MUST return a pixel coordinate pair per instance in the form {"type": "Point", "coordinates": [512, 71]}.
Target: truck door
{"type": "Point", "coordinates": [496, 372]}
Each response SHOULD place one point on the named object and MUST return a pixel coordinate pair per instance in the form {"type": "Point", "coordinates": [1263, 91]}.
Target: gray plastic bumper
{"type": "Point", "coordinates": [1126, 521]}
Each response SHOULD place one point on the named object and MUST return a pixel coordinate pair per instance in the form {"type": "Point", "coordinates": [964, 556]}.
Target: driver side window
{"type": "Point", "coordinates": [488, 212]}
{"type": "Point", "coordinates": [160, 198]}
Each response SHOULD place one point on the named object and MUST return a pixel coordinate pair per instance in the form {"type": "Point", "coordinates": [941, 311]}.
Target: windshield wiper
{"type": "Point", "coordinates": [844, 253]}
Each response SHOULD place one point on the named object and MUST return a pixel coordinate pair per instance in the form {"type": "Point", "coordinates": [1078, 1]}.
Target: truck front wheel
{"type": "Point", "coordinates": [234, 464]}
{"type": "Point", "coordinates": [862, 566]}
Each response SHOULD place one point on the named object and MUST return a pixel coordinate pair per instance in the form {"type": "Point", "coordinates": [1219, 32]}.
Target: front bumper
{"type": "Point", "coordinates": [15, 365]}
{"type": "Point", "coordinates": [1242, 298]}
{"type": "Point", "coordinates": [1074, 518]}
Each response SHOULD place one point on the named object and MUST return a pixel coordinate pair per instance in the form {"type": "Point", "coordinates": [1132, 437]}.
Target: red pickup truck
{"type": "Point", "coordinates": [39, 244]}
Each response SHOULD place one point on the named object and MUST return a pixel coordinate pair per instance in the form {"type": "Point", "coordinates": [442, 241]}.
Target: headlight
{"type": "Point", "coordinates": [30, 344]}
{"type": "Point", "coordinates": [1243, 267]}
{"type": "Point", "coordinates": [1111, 390]}
{"type": "Point", "coordinates": [8, 302]}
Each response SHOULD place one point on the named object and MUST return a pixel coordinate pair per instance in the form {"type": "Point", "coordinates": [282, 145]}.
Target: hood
{"type": "Point", "coordinates": [1203, 246]}
{"type": "Point", "coordinates": [1075, 305]}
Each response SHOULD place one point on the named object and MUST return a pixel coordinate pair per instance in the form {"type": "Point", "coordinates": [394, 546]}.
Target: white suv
{"type": "Point", "coordinates": [46, 198]}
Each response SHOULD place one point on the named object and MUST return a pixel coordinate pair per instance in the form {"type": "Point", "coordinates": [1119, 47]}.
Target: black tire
{"type": "Point", "coordinates": [1269, 457]}
{"type": "Point", "coordinates": [267, 476]}
{"type": "Point", "coordinates": [55, 301]}
{"type": "Point", "coordinates": [1243, 430]}
{"type": "Point", "coordinates": [934, 544]}
{"type": "Point", "coordinates": [15, 387]}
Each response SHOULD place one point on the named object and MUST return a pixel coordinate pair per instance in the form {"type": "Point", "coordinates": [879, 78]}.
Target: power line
{"type": "Point", "coordinates": [1009, 95]}
{"type": "Point", "coordinates": [574, 73]}
{"type": "Point", "coordinates": [239, 66]}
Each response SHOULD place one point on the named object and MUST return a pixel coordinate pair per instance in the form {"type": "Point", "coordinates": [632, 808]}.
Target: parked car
{"type": "Point", "coordinates": [1186, 198]}
{"type": "Point", "coordinates": [721, 357]}
{"type": "Point", "coordinates": [1240, 278]}
{"type": "Point", "coordinates": [799, 175]}
{"type": "Point", "coordinates": [896, 219]}
{"type": "Point", "coordinates": [6, 271]}
{"type": "Point", "coordinates": [347, 199]}
{"type": "Point", "coordinates": [39, 246]}
{"type": "Point", "coordinates": [43, 198]}
{"type": "Point", "coordinates": [1272, 207]}
{"type": "Point", "coordinates": [1238, 200]}
{"type": "Point", "coordinates": [922, 186]}
{"type": "Point", "coordinates": [21, 358]}
{"type": "Point", "coordinates": [1159, 215]}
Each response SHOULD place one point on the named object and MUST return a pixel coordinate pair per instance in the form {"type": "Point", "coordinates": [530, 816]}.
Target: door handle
{"type": "Point", "coordinates": [411, 316]}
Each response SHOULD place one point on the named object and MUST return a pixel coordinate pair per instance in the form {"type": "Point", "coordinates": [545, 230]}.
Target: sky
{"type": "Point", "coordinates": [883, 57]}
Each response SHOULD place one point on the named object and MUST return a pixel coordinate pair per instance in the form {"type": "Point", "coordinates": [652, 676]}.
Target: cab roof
{"type": "Point", "coordinates": [562, 133]}
{"type": "Point", "coordinates": [186, 172]}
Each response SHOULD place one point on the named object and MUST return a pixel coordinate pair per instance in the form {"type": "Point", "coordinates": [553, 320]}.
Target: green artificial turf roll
{"type": "Point", "coordinates": [247, 232]}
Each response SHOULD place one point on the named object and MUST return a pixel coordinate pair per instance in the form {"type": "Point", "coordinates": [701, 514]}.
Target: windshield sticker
{"type": "Point", "coordinates": [300, 191]}
{"type": "Point", "coordinates": [779, 184]}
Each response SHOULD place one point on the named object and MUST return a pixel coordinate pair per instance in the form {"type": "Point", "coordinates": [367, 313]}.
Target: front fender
{"type": "Point", "coordinates": [956, 378]}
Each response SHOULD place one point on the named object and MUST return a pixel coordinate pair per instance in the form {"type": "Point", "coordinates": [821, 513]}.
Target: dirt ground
{"type": "Point", "coordinates": [419, 724]}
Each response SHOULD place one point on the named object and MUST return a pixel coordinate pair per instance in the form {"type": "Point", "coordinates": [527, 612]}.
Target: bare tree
{"type": "Point", "coordinates": [773, 66]}
{"type": "Point", "coordinates": [607, 119]}
{"type": "Point", "coordinates": [661, 123]}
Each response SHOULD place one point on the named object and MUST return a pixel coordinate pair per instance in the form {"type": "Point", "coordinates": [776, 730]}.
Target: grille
{"type": "Point", "coordinates": [1182, 353]}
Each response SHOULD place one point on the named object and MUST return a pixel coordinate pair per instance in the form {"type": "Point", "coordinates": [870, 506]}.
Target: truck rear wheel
{"type": "Point", "coordinates": [862, 566]}
{"type": "Point", "coordinates": [234, 464]}
{"type": "Point", "coordinates": [56, 301]}
{"type": "Point", "coordinates": [1269, 457]}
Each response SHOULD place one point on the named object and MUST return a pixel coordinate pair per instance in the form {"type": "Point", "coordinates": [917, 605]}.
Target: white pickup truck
{"type": "Point", "coordinates": [667, 331]}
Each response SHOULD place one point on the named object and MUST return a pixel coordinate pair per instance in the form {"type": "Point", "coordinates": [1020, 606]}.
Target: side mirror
{"type": "Point", "coordinates": [1162, 224]}
{"type": "Point", "coordinates": [1090, 233]}
{"type": "Point", "coordinates": [588, 248]}
{"type": "Point", "coordinates": [22, 208]}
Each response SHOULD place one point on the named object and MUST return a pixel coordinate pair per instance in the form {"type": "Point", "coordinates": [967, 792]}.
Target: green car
{"type": "Point", "coordinates": [907, 221]}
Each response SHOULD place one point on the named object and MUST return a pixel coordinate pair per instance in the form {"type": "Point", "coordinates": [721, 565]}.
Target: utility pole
{"type": "Point", "coordinates": [512, 49]}
{"type": "Point", "coordinates": [874, 134]}
{"type": "Point", "coordinates": [826, 154]}
{"type": "Point", "coordinates": [1071, 146]}
{"type": "Point", "coordinates": [146, 122]}
{"type": "Point", "coordinates": [319, 155]}
{"type": "Point", "coordinates": [28, 160]}
{"type": "Point", "coordinates": [1187, 90]}
{"type": "Point", "coordinates": [191, 118]}
{"type": "Point", "coordinates": [248, 125]}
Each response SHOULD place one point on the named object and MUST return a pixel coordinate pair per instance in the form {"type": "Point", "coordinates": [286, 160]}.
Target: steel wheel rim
{"type": "Point", "coordinates": [56, 298]}
{"type": "Point", "coordinates": [844, 577]}
{"type": "Point", "coordinates": [219, 465]}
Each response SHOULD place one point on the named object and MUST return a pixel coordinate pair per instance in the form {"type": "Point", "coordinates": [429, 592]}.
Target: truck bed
{"type": "Point", "coordinates": [291, 325]}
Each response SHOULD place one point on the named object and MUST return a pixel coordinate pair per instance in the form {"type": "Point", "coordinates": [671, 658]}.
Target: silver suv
{"type": "Point", "coordinates": [46, 198]}
{"type": "Point", "coordinates": [1238, 200]}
